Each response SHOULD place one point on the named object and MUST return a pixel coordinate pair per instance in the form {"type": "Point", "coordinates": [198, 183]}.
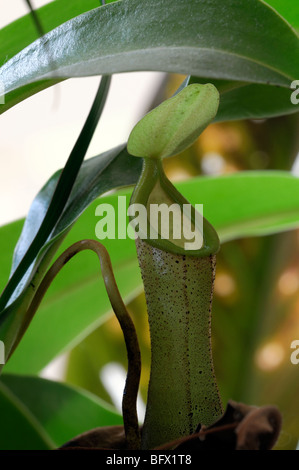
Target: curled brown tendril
{"type": "Point", "coordinates": [131, 427]}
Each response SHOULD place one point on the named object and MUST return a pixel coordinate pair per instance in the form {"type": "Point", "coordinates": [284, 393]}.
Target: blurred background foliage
{"type": "Point", "coordinates": [255, 313]}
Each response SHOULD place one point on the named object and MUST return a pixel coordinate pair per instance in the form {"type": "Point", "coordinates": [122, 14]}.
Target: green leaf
{"type": "Point", "coordinates": [231, 41]}
{"type": "Point", "coordinates": [75, 305]}
{"type": "Point", "coordinates": [61, 410]}
{"type": "Point", "coordinates": [22, 32]}
{"type": "Point", "coordinates": [255, 102]}
{"type": "Point", "coordinates": [238, 205]}
{"type": "Point", "coordinates": [9, 235]}
{"type": "Point", "coordinates": [19, 429]}
{"type": "Point", "coordinates": [288, 9]}
{"type": "Point", "coordinates": [249, 203]}
{"type": "Point", "coordinates": [175, 124]}
{"type": "Point", "coordinates": [239, 100]}
{"type": "Point", "coordinates": [96, 176]}
{"type": "Point", "coordinates": [114, 168]}
{"type": "Point", "coordinates": [15, 319]}
{"type": "Point", "coordinates": [53, 211]}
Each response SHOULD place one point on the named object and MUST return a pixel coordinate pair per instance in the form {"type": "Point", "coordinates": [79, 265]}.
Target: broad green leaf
{"type": "Point", "coordinates": [98, 175]}
{"type": "Point", "coordinates": [114, 168]}
{"type": "Point", "coordinates": [288, 9]}
{"type": "Point", "coordinates": [231, 41]}
{"type": "Point", "coordinates": [22, 32]}
{"type": "Point", "coordinates": [75, 305]}
{"type": "Point", "coordinates": [19, 34]}
{"type": "Point", "coordinates": [238, 205]}
{"type": "Point", "coordinates": [175, 124]}
{"type": "Point", "coordinates": [80, 304]}
{"type": "Point", "coordinates": [19, 428]}
{"type": "Point", "coordinates": [239, 100]}
{"type": "Point", "coordinates": [15, 319]}
{"type": "Point", "coordinates": [255, 102]}
{"type": "Point", "coordinates": [249, 203]}
{"type": "Point", "coordinates": [61, 410]}
{"type": "Point", "coordinates": [47, 215]}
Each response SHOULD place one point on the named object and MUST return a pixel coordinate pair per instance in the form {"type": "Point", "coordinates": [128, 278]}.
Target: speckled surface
{"type": "Point", "coordinates": [183, 390]}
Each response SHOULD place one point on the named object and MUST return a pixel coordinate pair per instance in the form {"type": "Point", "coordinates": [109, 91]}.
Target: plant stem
{"type": "Point", "coordinates": [35, 18]}
{"type": "Point", "coordinates": [134, 362]}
